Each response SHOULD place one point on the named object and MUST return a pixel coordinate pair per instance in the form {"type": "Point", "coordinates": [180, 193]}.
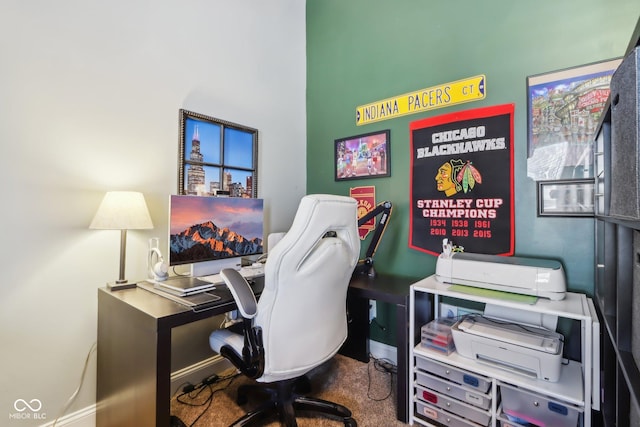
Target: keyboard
{"type": "Point", "coordinates": [246, 272]}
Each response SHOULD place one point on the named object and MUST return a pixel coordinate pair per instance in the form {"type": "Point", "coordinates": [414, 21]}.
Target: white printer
{"type": "Point", "coordinates": [528, 276]}
{"type": "Point", "coordinates": [523, 349]}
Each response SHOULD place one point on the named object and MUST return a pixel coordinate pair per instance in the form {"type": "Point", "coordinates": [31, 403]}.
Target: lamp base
{"type": "Point", "coordinates": [118, 285]}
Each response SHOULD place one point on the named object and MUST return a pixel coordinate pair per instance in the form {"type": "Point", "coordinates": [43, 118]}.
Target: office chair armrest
{"type": "Point", "coordinates": [251, 363]}
{"type": "Point", "coordinates": [241, 292]}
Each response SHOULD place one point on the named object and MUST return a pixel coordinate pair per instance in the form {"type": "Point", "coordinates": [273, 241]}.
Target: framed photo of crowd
{"type": "Point", "coordinates": [363, 156]}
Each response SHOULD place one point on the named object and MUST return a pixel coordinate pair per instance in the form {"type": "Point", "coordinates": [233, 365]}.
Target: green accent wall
{"type": "Point", "coordinates": [361, 51]}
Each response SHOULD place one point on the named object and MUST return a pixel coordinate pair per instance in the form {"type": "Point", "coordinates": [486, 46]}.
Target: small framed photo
{"type": "Point", "coordinates": [569, 197]}
{"type": "Point", "coordinates": [363, 156]}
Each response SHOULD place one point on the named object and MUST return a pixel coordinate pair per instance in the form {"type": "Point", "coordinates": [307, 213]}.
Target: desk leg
{"type": "Point", "coordinates": [133, 367]}
{"type": "Point", "coordinates": [357, 344]}
{"type": "Point", "coordinates": [402, 342]}
{"type": "Point", "coordinates": [163, 387]}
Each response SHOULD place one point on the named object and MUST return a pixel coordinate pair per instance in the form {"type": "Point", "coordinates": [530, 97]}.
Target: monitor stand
{"type": "Point", "coordinates": [208, 268]}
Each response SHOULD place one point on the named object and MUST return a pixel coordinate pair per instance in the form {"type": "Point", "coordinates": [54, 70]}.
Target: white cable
{"type": "Point", "coordinates": [75, 393]}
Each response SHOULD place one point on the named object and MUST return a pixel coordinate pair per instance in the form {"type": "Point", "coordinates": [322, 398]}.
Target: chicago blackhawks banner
{"type": "Point", "coordinates": [462, 181]}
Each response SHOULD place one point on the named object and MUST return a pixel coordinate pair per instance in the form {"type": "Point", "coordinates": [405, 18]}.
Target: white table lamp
{"type": "Point", "coordinates": [122, 210]}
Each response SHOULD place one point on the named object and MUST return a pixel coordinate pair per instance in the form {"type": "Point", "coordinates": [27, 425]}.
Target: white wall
{"type": "Point", "coordinates": [89, 100]}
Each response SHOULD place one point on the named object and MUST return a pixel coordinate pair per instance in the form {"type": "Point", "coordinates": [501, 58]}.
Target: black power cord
{"type": "Point", "coordinates": [211, 379]}
{"type": "Point", "coordinates": [192, 395]}
{"type": "Point", "coordinates": [381, 365]}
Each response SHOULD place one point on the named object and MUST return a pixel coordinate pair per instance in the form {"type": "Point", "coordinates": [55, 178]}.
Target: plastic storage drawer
{"type": "Point", "coordinates": [443, 417]}
{"type": "Point", "coordinates": [460, 392]}
{"type": "Point", "coordinates": [457, 375]}
{"type": "Point", "coordinates": [453, 405]}
{"type": "Point", "coordinates": [503, 421]}
{"type": "Point", "coordinates": [538, 409]}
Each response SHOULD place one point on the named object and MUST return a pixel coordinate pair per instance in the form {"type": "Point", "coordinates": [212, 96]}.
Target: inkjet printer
{"type": "Point", "coordinates": [511, 339]}
{"type": "Point", "coordinates": [528, 350]}
{"type": "Point", "coordinates": [529, 276]}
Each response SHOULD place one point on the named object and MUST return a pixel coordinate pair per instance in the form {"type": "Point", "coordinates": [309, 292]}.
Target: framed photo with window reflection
{"type": "Point", "coordinates": [217, 157]}
{"type": "Point", "coordinates": [363, 156]}
{"type": "Point", "coordinates": [566, 197]}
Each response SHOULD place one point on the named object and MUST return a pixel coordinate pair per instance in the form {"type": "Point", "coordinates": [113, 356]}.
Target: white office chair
{"type": "Point", "coordinates": [300, 320]}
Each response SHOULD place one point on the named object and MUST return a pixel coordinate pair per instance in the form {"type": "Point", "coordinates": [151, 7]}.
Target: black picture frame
{"type": "Point", "coordinates": [363, 156]}
{"type": "Point", "coordinates": [566, 197]}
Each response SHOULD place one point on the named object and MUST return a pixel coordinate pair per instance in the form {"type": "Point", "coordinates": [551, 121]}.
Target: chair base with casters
{"type": "Point", "coordinates": [285, 402]}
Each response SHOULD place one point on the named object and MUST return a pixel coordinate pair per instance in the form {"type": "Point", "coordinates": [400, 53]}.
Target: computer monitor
{"type": "Point", "coordinates": [212, 233]}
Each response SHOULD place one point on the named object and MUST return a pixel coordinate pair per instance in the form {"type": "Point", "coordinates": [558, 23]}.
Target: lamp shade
{"type": "Point", "coordinates": [122, 210]}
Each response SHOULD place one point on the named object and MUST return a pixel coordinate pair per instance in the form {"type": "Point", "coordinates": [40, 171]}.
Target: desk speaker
{"type": "Point", "coordinates": [625, 138]}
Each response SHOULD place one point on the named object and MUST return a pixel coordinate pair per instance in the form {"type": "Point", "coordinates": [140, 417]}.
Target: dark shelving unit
{"type": "Point", "coordinates": [617, 287]}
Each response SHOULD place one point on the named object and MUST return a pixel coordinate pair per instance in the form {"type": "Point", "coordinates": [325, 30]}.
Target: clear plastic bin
{"type": "Point", "coordinates": [436, 335]}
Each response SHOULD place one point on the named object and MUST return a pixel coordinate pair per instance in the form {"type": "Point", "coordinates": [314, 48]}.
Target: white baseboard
{"type": "Point", "coordinates": [383, 351]}
{"type": "Point", "coordinates": [193, 374]}
{"type": "Point", "coordinates": [85, 417]}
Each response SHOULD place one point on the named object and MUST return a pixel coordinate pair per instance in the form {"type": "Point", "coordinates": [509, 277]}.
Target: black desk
{"type": "Point", "coordinates": [134, 346]}
{"type": "Point", "coordinates": [134, 354]}
{"type": "Point", "coordinates": [390, 289]}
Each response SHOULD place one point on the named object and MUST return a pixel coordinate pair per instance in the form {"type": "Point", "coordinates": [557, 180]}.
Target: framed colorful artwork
{"type": "Point", "coordinates": [563, 110]}
{"type": "Point", "coordinates": [363, 156]}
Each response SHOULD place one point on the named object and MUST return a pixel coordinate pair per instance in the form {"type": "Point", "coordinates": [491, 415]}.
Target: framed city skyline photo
{"type": "Point", "coordinates": [363, 156]}
{"type": "Point", "coordinates": [216, 157]}
{"type": "Point", "coordinates": [563, 111]}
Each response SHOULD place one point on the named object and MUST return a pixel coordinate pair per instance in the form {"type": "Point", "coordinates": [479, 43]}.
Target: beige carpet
{"type": "Point", "coordinates": [359, 386]}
